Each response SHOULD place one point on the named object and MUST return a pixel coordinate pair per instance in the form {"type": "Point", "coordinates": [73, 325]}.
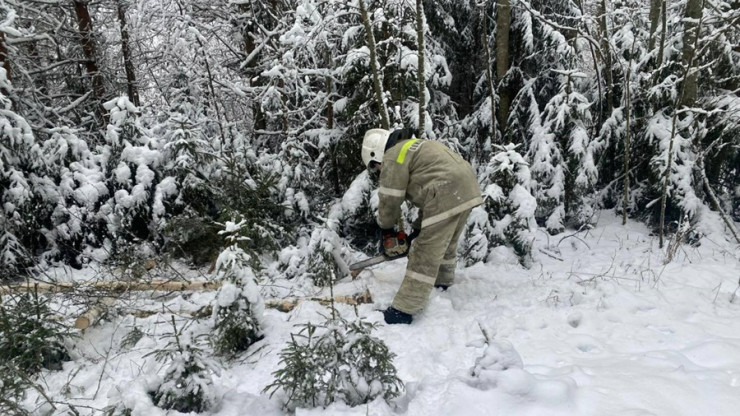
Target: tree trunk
{"type": "Point", "coordinates": [374, 68]}
{"type": "Point", "coordinates": [4, 57]}
{"type": "Point", "coordinates": [330, 103]}
{"type": "Point", "coordinates": [91, 61]}
{"type": "Point", "coordinates": [627, 139]}
{"type": "Point", "coordinates": [420, 73]}
{"type": "Point", "coordinates": [247, 31]}
{"type": "Point", "coordinates": [117, 286]}
{"type": "Point", "coordinates": [607, 56]}
{"type": "Point", "coordinates": [213, 98]}
{"type": "Point", "coordinates": [690, 42]}
{"type": "Point", "coordinates": [663, 30]}
{"type": "Point", "coordinates": [596, 57]}
{"type": "Point", "coordinates": [128, 65]}
{"type": "Point", "coordinates": [503, 26]}
{"type": "Point", "coordinates": [92, 315]}
{"type": "Point", "coordinates": [694, 9]}
{"type": "Point", "coordinates": [666, 179]}
{"type": "Point", "coordinates": [4, 62]}
{"type": "Point", "coordinates": [713, 197]}
{"type": "Point", "coordinates": [654, 20]}
{"type": "Point", "coordinates": [489, 71]}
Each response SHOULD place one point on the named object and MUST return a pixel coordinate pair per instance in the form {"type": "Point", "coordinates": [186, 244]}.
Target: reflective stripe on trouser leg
{"type": "Point", "coordinates": [425, 257]}
{"type": "Point", "coordinates": [446, 273]}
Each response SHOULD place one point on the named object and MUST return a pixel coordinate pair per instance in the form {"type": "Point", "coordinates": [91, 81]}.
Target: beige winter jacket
{"type": "Point", "coordinates": [431, 176]}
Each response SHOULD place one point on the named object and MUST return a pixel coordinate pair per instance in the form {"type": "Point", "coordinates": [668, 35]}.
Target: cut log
{"type": "Point", "coordinates": [93, 314]}
{"type": "Point", "coordinates": [287, 305]}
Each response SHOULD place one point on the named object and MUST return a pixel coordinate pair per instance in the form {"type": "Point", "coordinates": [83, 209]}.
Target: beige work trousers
{"type": "Point", "coordinates": [432, 261]}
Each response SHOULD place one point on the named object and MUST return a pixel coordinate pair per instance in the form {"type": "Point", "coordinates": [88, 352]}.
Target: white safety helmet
{"type": "Point", "coordinates": [373, 146]}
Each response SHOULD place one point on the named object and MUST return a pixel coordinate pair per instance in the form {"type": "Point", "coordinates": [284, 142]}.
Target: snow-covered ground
{"type": "Point", "coordinates": [603, 329]}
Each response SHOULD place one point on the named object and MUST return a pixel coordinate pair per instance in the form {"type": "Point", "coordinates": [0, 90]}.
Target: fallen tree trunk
{"type": "Point", "coordinates": [114, 286]}
{"type": "Point", "coordinates": [94, 313]}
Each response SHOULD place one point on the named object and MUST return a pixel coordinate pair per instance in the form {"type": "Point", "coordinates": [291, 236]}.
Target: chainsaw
{"type": "Point", "coordinates": [356, 268]}
{"type": "Point", "coordinates": [401, 238]}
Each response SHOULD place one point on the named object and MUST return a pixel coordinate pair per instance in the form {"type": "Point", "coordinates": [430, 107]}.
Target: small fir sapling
{"type": "Point", "coordinates": [353, 217]}
{"type": "Point", "coordinates": [547, 170]}
{"type": "Point", "coordinates": [319, 256]}
{"type": "Point", "coordinates": [132, 338]}
{"type": "Point", "coordinates": [338, 360]}
{"type": "Point", "coordinates": [335, 361]}
{"type": "Point", "coordinates": [325, 247]}
{"type": "Point", "coordinates": [117, 410]}
{"type": "Point", "coordinates": [187, 384]}
{"type": "Point", "coordinates": [31, 339]}
{"type": "Point", "coordinates": [238, 307]}
{"type": "Point", "coordinates": [13, 388]}
{"type": "Point", "coordinates": [474, 247]}
{"type": "Point", "coordinates": [30, 336]}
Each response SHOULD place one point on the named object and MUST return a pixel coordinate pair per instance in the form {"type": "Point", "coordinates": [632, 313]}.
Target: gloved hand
{"type": "Point", "coordinates": [393, 244]}
{"type": "Point", "coordinates": [394, 316]}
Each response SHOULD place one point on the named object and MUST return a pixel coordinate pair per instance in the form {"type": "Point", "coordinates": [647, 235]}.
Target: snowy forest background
{"type": "Point", "coordinates": [139, 130]}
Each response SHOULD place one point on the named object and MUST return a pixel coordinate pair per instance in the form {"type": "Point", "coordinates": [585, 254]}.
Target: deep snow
{"type": "Point", "coordinates": [606, 330]}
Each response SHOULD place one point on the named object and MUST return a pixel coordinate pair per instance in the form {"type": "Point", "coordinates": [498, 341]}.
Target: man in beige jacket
{"type": "Point", "coordinates": [444, 188]}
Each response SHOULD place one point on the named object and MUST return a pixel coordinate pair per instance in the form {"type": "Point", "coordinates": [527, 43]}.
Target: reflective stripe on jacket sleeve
{"type": "Point", "coordinates": [394, 179]}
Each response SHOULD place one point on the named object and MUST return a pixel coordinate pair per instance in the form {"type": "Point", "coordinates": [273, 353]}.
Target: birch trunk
{"type": "Point", "coordinates": [93, 314]}
{"type": "Point", "coordinates": [420, 73]}
{"type": "Point", "coordinates": [114, 286]}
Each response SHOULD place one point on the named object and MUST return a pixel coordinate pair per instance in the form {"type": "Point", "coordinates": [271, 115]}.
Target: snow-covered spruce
{"type": "Point", "coordinates": [187, 385]}
{"type": "Point", "coordinates": [563, 155]}
{"type": "Point", "coordinates": [30, 340]}
{"type": "Point", "coordinates": [133, 158]}
{"type": "Point", "coordinates": [338, 360]}
{"type": "Point", "coordinates": [30, 336]}
{"type": "Point", "coordinates": [317, 258]}
{"type": "Point", "coordinates": [509, 207]}
{"type": "Point", "coordinates": [18, 154]}
{"type": "Point", "coordinates": [238, 307]}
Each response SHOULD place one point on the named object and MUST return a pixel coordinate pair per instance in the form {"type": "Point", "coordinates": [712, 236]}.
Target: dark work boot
{"type": "Point", "coordinates": [394, 316]}
{"type": "Point", "coordinates": [443, 287]}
